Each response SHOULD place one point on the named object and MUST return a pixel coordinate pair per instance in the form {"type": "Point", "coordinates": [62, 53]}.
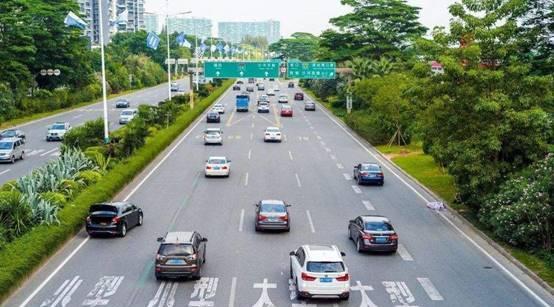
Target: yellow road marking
{"type": "Point", "coordinates": [230, 118]}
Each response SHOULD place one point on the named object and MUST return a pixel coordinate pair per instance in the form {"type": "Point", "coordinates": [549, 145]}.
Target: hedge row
{"type": "Point", "coordinates": [22, 256]}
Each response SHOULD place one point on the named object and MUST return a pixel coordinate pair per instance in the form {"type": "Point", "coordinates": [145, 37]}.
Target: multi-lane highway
{"type": "Point", "coordinates": [38, 150]}
{"type": "Point", "coordinates": [436, 265]}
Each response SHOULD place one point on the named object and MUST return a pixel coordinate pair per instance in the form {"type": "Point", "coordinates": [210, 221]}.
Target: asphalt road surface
{"type": "Point", "coordinates": [38, 151]}
{"type": "Point", "coordinates": [436, 265]}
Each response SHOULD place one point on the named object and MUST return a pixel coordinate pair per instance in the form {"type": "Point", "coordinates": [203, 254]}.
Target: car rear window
{"type": "Point", "coordinates": [58, 127]}
{"type": "Point", "coordinates": [6, 145]}
{"type": "Point", "coordinates": [277, 208]}
{"type": "Point", "coordinates": [217, 161]}
{"type": "Point", "coordinates": [176, 250]}
{"type": "Point", "coordinates": [212, 132]}
{"type": "Point", "coordinates": [325, 267]}
{"type": "Point", "coordinates": [371, 168]}
{"type": "Point", "coordinates": [8, 133]}
{"type": "Point", "coordinates": [109, 208]}
{"type": "Point", "coordinates": [272, 129]}
{"type": "Point", "coordinates": [378, 226]}
{"type": "Point", "coordinates": [127, 113]}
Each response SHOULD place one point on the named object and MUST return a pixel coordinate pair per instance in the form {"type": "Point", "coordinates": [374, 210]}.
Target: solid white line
{"type": "Point", "coordinates": [39, 288]}
{"type": "Point", "coordinates": [34, 152]}
{"type": "Point", "coordinates": [333, 157]}
{"type": "Point", "coordinates": [290, 156]}
{"type": "Point", "coordinates": [252, 125]}
{"type": "Point", "coordinates": [430, 289]}
{"type": "Point", "coordinates": [340, 166]}
{"type": "Point", "coordinates": [77, 116]}
{"type": "Point", "coordinates": [48, 152]}
{"type": "Point", "coordinates": [6, 171]}
{"type": "Point", "coordinates": [246, 180]}
{"type": "Point", "coordinates": [250, 154]}
{"type": "Point", "coordinates": [347, 176]}
{"type": "Point", "coordinates": [356, 189]}
{"type": "Point", "coordinates": [233, 292]}
{"type": "Point", "coordinates": [241, 222]}
{"type": "Point", "coordinates": [403, 252]}
{"type": "Point", "coordinates": [298, 181]}
{"type": "Point", "coordinates": [251, 136]}
{"type": "Point", "coordinates": [310, 221]}
{"type": "Point", "coordinates": [487, 254]}
{"type": "Point", "coordinates": [368, 205]}
{"type": "Point", "coordinates": [322, 143]}
{"type": "Point", "coordinates": [318, 137]}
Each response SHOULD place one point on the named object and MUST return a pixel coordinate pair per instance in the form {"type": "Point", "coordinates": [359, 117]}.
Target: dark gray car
{"type": "Point", "coordinates": [181, 254]}
{"type": "Point", "coordinates": [272, 215]}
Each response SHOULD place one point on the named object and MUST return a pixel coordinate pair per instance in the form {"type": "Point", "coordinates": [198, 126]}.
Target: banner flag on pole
{"type": "Point", "coordinates": [72, 20]}
{"type": "Point", "coordinates": [152, 40]}
{"type": "Point", "coordinates": [181, 39]}
{"type": "Point", "coordinates": [213, 48]}
{"type": "Point", "coordinates": [187, 44]}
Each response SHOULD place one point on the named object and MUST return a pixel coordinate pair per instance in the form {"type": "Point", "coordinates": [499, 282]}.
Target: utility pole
{"type": "Point", "coordinates": [103, 64]}
{"type": "Point", "coordinates": [168, 52]}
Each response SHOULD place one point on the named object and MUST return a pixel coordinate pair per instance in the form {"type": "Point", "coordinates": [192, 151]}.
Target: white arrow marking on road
{"type": "Point", "coordinates": [368, 205]}
{"type": "Point", "coordinates": [356, 189]}
{"type": "Point", "coordinates": [264, 300]}
{"type": "Point", "coordinates": [403, 252]}
{"type": "Point", "coordinates": [366, 301]}
{"type": "Point", "coordinates": [430, 289]}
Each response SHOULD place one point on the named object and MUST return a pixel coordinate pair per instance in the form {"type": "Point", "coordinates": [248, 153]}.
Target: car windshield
{"type": "Point", "coordinates": [286, 108]}
{"type": "Point", "coordinates": [378, 226]}
{"type": "Point", "coordinates": [122, 101]}
{"type": "Point", "coordinates": [58, 127]}
{"type": "Point", "coordinates": [176, 250]}
{"type": "Point", "coordinates": [96, 208]}
{"type": "Point", "coordinates": [8, 133]}
{"type": "Point", "coordinates": [217, 161]}
{"type": "Point", "coordinates": [370, 168]}
{"type": "Point", "coordinates": [127, 113]}
{"type": "Point", "coordinates": [276, 208]}
{"type": "Point", "coordinates": [325, 267]}
{"type": "Point", "coordinates": [6, 145]}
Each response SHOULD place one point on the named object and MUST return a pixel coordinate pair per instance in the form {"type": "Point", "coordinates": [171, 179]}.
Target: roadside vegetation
{"type": "Point", "coordinates": [469, 111]}
{"type": "Point", "coordinates": [41, 211]}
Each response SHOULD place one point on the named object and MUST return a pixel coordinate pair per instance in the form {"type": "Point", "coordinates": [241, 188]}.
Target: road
{"type": "Point", "coordinates": [38, 151]}
{"type": "Point", "coordinates": [437, 264]}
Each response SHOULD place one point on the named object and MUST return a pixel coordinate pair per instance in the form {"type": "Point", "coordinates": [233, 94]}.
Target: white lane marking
{"type": "Point", "coordinates": [318, 137]}
{"type": "Point", "coordinates": [356, 189]}
{"type": "Point", "coordinates": [298, 180]}
{"type": "Point", "coordinates": [77, 116]}
{"type": "Point", "coordinates": [246, 180]}
{"type": "Point", "coordinates": [5, 171]}
{"type": "Point", "coordinates": [430, 289]}
{"type": "Point", "coordinates": [133, 191]}
{"type": "Point", "coordinates": [238, 137]}
{"type": "Point", "coordinates": [312, 127]}
{"type": "Point", "coordinates": [306, 138]}
{"type": "Point", "coordinates": [312, 228]}
{"type": "Point", "coordinates": [204, 289]}
{"type": "Point", "coordinates": [233, 292]}
{"type": "Point", "coordinates": [404, 254]}
{"type": "Point", "coordinates": [33, 152]}
{"type": "Point", "coordinates": [64, 293]}
{"type": "Point", "coordinates": [105, 288]}
{"type": "Point", "coordinates": [252, 125]}
{"type": "Point", "coordinates": [49, 152]}
{"type": "Point", "coordinates": [333, 157]}
{"type": "Point", "coordinates": [366, 301]}
{"type": "Point", "coordinates": [56, 154]}
{"type": "Point", "coordinates": [481, 249]}
{"type": "Point", "coordinates": [250, 154]}
{"type": "Point", "coordinates": [322, 143]}
{"type": "Point", "coordinates": [230, 137]}
{"type": "Point", "coordinates": [290, 155]}
{"type": "Point", "coordinates": [399, 293]}
{"type": "Point", "coordinates": [327, 149]}
{"type": "Point", "coordinates": [368, 205]}
{"type": "Point", "coordinates": [241, 222]}
{"type": "Point", "coordinates": [264, 300]}
{"type": "Point", "coordinates": [347, 176]}
{"type": "Point", "coordinates": [340, 166]}
{"type": "Point", "coordinates": [251, 136]}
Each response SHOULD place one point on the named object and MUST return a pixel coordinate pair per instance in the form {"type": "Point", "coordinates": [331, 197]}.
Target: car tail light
{"type": "Point", "coordinates": [381, 175]}
{"type": "Point", "coordinates": [115, 220]}
{"type": "Point", "coordinates": [160, 257]}
{"type": "Point", "coordinates": [208, 167]}
{"type": "Point", "coordinates": [367, 238]}
{"type": "Point", "coordinates": [284, 218]}
{"type": "Point", "coordinates": [344, 277]}
{"type": "Point", "coordinates": [225, 167]}
{"type": "Point", "coordinates": [393, 237]}
{"type": "Point", "coordinates": [307, 277]}
{"type": "Point", "coordinates": [363, 173]}
{"type": "Point", "coordinates": [262, 217]}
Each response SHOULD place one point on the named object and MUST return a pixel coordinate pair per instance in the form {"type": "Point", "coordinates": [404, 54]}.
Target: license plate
{"type": "Point", "coordinates": [273, 219]}
{"type": "Point", "coordinates": [175, 261]}
{"type": "Point", "coordinates": [216, 168]}
{"type": "Point", "coordinates": [381, 240]}
{"type": "Point", "coordinates": [371, 175]}
{"type": "Point", "coordinates": [326, 279]}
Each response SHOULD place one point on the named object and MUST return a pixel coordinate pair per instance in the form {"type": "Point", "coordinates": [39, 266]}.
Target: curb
{"type": "Point", "coordinates": [456, 217]}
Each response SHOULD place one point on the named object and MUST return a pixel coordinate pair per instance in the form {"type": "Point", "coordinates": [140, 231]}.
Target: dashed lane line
{"type": "Point", "coordinates": [5, 171]}
{"type": "Point", "coordinates": [430, 289]}
{"type": "Point", "coordinates": [48, 152]}
{"type": "Point", "coordinates": [233, 292]}
{"type": "Point", "coordinates": [333, 157]}
{"type": "Point", "coordinates": [356, 189]}
{"type": "Point", "coordinates": [404, 254]}
{"type": "Point", "coordinates": [290, 155]}
{"type": "Point", "coordinates": [298, 180]}
{"type": "Point", "coordinates": [339, 166]}
{"type": "Point", "coordinates": [347, 176]}
{"type": "Point", "coordinates": [241, 222]}
{"type": "Point", "coordinates": [312, 228]}
{"type": "Point", "coordinates": [246, 180]}
{"type": "Point", "coordinates": [250, 154]}
{"type": "Point", "coordinates": [368, 205]}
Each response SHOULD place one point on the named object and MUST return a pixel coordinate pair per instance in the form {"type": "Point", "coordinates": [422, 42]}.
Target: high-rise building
{"type": "Point", "coordinates": [152, 22]}
{"type": "Point", "coordinates": [236, 31]}
{"type": "Point", "coordinates": [200, 27]}
{"type": "Point", "coordinates": [130, 15]}
{"type": "Point", "coordinates": [89, 11]}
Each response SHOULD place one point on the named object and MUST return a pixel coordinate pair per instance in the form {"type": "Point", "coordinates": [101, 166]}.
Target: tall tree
{"type": "Point", "coordinates": [537, 34]}
{"type": "Point", "coordinates": [377, 27]}
{"type": "Point", "coordinates": [300, 45]}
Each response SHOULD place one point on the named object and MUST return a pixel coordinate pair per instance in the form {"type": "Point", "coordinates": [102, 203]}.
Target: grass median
{"type": "Point", "coordinates": [25, 254]}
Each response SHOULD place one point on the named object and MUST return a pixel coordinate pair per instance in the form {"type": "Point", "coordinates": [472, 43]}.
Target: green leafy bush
{"type": "Point", "coordinates": [54, 198]}
{"type": "Point", "coordinates": [89, 177]}
{"type": "Point", "coordinates": [87, 135]}
{"type": "Point", "coordinates": [10, 185]}
{"type": "Point", "coordinates": [15, 215]}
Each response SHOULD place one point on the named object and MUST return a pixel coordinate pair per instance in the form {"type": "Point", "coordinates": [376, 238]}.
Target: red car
{"type": "Point", "coordinates": [299, 96]}
{"type": "Point", "coordinates": [286, 111]}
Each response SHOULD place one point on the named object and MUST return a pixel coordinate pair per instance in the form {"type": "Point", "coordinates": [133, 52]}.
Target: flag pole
{"type": "Point", "coordinates": [103, 61]}
{"type": "Point", "coordinates": [168, 51]}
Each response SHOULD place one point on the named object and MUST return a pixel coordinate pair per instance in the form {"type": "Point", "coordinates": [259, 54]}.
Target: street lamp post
{"type": "Point", "coordinates": [168, 50]}
{"type": "Point", "coordinates": [104, 92]}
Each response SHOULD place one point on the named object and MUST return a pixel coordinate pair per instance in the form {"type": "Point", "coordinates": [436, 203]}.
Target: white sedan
{"type": "Point", "coordinates": [272, 134]}
{"type": "Point", "coordinates": [219, 108]}
{"type": "Point", "coordinates": [218, 167]}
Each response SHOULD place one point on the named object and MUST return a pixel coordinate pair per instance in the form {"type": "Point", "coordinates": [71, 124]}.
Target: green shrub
{"type": "Point", "coordinates": [54, 198]}
{"type": "Point", "coordinates": [87, 135]}
{"type": "Point", "coordinates": [15, 215]}
{"type": "Point", "coordinates": [10, 185]}
{"type": "Point", "coordinates": [70, 187]}
{"type": "Point", "coordinates": [89, 177]}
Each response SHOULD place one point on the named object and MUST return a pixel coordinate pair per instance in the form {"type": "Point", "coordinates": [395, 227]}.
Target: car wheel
{"type": "Point", "coordinates": [12, 161]}
{"type": "Point", "coordinates": [358, 246]}
{"type": "Point", "coordinates": [288, 229]}
{"type": "Point", "coordinates": [257, 228]}
{"type": "Point", "coordinates": [298, 295]}
{"type": "Point", "coordinates": [123, 231]}
{"type": "Point", "coordinates": [140, 220]}
{"type": "Point", "coordinates": [22, 157]}
{"type": "Point", "coordinates": [345, 297]}
{"type": "Point", "coordinates": [382, 183]}
{"type": "Point", "coordinates": [290, 270]}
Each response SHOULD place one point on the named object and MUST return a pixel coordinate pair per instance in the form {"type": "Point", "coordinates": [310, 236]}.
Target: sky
{"type": "Point", "coordinates": [295, 15]}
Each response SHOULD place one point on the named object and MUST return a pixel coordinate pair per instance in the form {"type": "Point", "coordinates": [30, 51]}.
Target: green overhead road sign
{"type": "Point", "coordinates": [261, 69]}
{"type": "Point", "coordinates": [311, 70]}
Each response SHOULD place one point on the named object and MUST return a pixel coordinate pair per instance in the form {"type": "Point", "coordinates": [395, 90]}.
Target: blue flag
{"type": "Point", "coordinates": [220, 47]}
{"type": "Point", "coordinates": [152, 40]}
{"type": "Point", "coordinates": [72, 20]}
{"type": "Point", "coordinates": [181, 39]}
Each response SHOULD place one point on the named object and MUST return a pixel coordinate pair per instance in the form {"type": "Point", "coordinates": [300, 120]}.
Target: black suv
{"type": "Point", "coordinates": [213, 117]}
{"type": "Point", "coordinates": [113, 218]}
{"type": "Point", "coordinates": [181, 254]}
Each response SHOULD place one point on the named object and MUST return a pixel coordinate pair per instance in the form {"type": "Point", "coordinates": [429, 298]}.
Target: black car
{"type": "Point", "coordinates": [272, 215]}
{"type": "Point", "coordinates": [291, 84]}
{"type": "Point", "coordinates": [368, 173]}
{"type": "Point", "coordinates": [113, 218]}
{"type": "Point", "coordinates": [309, 106]}
{"type": "Point", "coordinates": [13, 133]}
{"type": "Point", "coordinates": [122, 103]}
{"type": "Point", "coordinates": [213, 117]}
{"type": "Point", "coordinates": [240, 82]}
{"type": "Point", "coordinates": [373, 233]}
{"type": "Point", "coordinates": [236, 87]}
{"type": "Point", "coordinates": [250, 89]}
{"type": "Point", "coordinates": [181, 254]}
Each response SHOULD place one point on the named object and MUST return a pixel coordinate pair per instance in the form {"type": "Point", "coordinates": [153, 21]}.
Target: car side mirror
{"type": "Point", "coordinates": [288, 205]}
{"type": "Point", "coordinates": [355, 166]}
{"type": "Point", "coordinates": [229, 161]}
{"type": "Point", "coordinates": [160, 239]}
{"type": "Point", "coordinates": [204, 239]}
{"type": "Point", "coordinates": [292, 253]}
{"type": "Point", "coordinates": [343, 254]}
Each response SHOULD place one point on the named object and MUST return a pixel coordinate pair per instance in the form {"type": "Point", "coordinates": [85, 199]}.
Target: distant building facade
{"type": "Point", "coordinates": [152, 22]}
{"type": "Point", "coordinates": [200, 27]}
{"type": "Point", "coordinates": [236, 31]}
{"type": "Point", "coordinates": [129, 15]}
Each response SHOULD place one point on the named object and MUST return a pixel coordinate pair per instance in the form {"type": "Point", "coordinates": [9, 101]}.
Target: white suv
{"type": "Point", "coordinates": [318, 271]}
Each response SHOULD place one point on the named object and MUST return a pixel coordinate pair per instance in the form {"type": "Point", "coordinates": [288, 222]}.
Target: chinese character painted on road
{"type": "Point", "coordinates": [165, 296]}
{"type": "Point", "coordinates": [104, 288]}
{"type": "Point", "coordinates": [366, 301]}
{"type": "Point", "coordinates": [204, 289]}
{"type": "Point", "coordinates": [399, 293]}
{"type": "Point", "coordinates": [62, 296]}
